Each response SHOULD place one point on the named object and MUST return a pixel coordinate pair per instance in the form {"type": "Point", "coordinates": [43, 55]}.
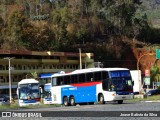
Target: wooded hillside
{"type": "Point", "coordinates": [108, 28]}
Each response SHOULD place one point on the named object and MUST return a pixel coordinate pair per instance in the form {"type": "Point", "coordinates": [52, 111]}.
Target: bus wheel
{"type": "Point", "coordinates": [72, 101]}
{"type": "Point", "coordinates": [65, 101]}
{"type": "Point", "coordinates": [120, 101]}
{"type": "Point", "coordinates": [101, 99]}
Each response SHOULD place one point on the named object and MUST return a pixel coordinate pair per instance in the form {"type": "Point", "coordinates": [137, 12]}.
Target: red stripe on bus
{"type": "Point", "coordinates": [37, 99]}
{"type": "Point", "coordinates": [86, 84]}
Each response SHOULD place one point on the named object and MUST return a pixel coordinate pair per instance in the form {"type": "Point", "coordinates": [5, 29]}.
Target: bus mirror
{"type": "Point", "coordinates": [17, 91]}
{"type": "Point", "coordinates": [133, 83]}
{"type": "Point", "coordinates": [41, 91]}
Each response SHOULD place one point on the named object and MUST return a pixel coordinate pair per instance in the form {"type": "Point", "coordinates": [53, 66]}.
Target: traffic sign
{"type": "Point", "coordinates": [147, 72]}
{"type": "Point", "coordinates": [157, 53]}
{"type": "Point", "coordinates": [147, 81]}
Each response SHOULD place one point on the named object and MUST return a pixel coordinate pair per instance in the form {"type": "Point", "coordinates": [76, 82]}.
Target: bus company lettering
{"type": "Point", "coordinates": [73, 88]}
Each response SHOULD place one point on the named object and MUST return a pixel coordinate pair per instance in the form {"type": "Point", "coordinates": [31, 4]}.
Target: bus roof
{"type": "Point", "coordinates": [89, 70]}
{"type": "Point", "coordinates": [25, 81]}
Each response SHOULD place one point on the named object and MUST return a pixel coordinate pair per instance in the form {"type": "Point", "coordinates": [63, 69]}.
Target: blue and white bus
{"type": "Point", "coordinates": [92, 85]}
{"type": "Point", "coordinates": [45, 81]}
{"type": "Point", "coordinates": [28, 92]}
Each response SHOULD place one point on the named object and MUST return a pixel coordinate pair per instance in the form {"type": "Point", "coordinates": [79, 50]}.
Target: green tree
{"type": "Point", "coordinates": [155, 73]}
{"type": "Point", "coordinates": [61, 18]}
{"type": "Point", "coordinates": [40, 36]}
{"type": "Point", "coordinates": [13, 33]}
{"type": "Point", "coordinates": [81, 35]}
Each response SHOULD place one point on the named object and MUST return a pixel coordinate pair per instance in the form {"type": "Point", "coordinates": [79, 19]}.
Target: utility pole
{"type": "Point", "coordinates": [80, 59]}
{"type": "Point", "coordinates": [10, 84]}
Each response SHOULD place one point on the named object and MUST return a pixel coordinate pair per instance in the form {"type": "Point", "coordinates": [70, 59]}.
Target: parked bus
{"type": "Point", "coordinates": [28, 92]}
{"type": "Point", "coordinates": [47, 94]}
{"type": "Point", "coordinates": [45, 81]}
{"type": "Point", "coordinates": [92, 85]}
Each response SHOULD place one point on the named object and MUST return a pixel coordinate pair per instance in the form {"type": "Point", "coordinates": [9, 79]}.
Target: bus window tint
{"type": "Point", "coordinates": [60, 81]}
{"type": "Point", "coordinates": [89, 77]}
{"type": "Point", "coordinates": [105, 84]}
{"type": "Point", "coordinates": [81, 78]}
{"type": "Point", "coordinates": [67, 79]}
{"type": "Point", "coordinates": [74, 79]}
{"type": "Point", "coordinates": [54, 81]}
{"type": "Point", "coordinates": [105, 75]}
{"type": "Point", "coordinates": [97, 76]}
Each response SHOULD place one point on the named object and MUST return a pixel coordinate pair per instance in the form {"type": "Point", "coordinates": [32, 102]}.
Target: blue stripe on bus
{"type": "Point", "coordinates": [124, 93]}
{"type": "Point", "coordinates": [29, 101]}
{"type": "Point", "coordinates": [48, 99]}
{"type": "Point", "coordinates": [81, 94]}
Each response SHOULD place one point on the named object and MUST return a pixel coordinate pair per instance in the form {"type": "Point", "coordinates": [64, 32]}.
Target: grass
{"type": "Point", "coordinates": [147, 98]}
{"type": "Point", "coordinates": [15, 106]}
{"type": "Point", "coordinates": [155, 97]}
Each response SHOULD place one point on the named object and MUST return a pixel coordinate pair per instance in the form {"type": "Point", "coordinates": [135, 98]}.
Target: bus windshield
{"type": "Point", "coordinates": [121, 81]}
{"type": "Point", "coordinates": [29, 91]}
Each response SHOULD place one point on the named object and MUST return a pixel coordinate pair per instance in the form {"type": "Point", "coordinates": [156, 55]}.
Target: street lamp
{"type": "Point", "coordinates": [80, 59]}
{"type": "Point", "coordinates": [139, 58]}
{"type": "Point", "coordinates": [9, 69]}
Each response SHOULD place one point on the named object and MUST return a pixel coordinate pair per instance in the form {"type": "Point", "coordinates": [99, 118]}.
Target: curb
{"type": "Point", "coordinates": [151, 101]}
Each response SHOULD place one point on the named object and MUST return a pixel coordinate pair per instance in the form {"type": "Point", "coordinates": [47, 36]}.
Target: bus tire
{"type": "Point", "coordinates": [72, 101]}
{"type": "Point", "coordinates": [65, 101]}
{"type": "Point", "coordinates": [120, 101]}
{"type": "Point", "coordinates": [101, 99]}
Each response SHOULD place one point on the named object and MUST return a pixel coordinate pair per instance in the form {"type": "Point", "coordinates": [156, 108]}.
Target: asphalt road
{"type": "Point", "coordinates": [109, 111]}
{"type": "Point", "coordinates": [109, 106]}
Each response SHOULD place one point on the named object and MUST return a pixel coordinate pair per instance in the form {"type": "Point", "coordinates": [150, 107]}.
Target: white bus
{"type": "Point", "coordinates": [92, 85]}
{"type": "Point", "coordinates": [28, 92]}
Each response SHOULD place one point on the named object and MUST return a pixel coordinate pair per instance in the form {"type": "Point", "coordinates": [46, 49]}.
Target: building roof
{"type": "Point", "coordinates": [42, 53]}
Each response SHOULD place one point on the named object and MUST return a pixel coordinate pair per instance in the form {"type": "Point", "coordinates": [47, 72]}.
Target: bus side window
{"type": "Point", "coordinates": [97, 76]}
{"type": "Point", "coordinates": [89, 77]}
{"type": "Point", "coordinates": [104, 75]}
{"type": "Point", "coordinates": [81, 78]}
{"type": "Point", "coordinates": [54, 81]}
{"type": "Point", "coordinates": [60, 81]}
{"type": "Point", "coordinates": [74, 79]}
{"type": "Point", "coordinates": [105, 84]}
{"type": "Point", "coordinates": [67, 79]}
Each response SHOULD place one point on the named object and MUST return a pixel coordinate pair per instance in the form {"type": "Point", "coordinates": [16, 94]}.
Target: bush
{"type": "Point", "coordinates": [158, 87]}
